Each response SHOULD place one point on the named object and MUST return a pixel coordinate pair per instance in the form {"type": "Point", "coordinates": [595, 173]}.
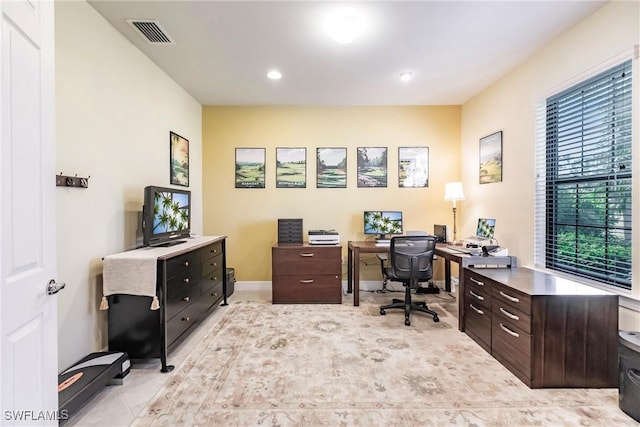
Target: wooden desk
{"type": "Point", "coordinates": [355, 248]}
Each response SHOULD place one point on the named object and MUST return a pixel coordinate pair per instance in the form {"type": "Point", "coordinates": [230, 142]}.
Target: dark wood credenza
{"type": "Point", "coordinates": [190, 283]}
{"type": "Point", "coordinates": [548, 331]}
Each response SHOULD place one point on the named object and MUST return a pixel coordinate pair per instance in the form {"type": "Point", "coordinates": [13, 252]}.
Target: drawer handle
{"type": "Point", "coordinates": [215, 294]}
{"type": "Point", "coordinates": [477, 282]}
{"type": "Point", "coordinates": [477, 310]}
{"type": "Point", "coordinates": [306, 281]}
{"type": "Point", "coordinates": [186, 319]}
{"type": "Point", "coordinates": [509, 331]}
{"type": "Point", "coordinates": [509, 297]}
{"type": "Point", "coordinates": [185, 280]}
{"type": "Point", "coordinates": [186, 299]}
{"type": "Point", "coordinates": [509, 315]}
{"type": "Point", "coordinates": [213, 251]}
{"type": "Point", "coordinates": [306, 254]}
{"type": "Point", "coordinates": [480, 297]}
{"type": "Point", "coordinates": [186, 263]}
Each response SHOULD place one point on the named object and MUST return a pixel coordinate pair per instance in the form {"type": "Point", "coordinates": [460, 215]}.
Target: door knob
{"type": "Point", "coordinates": [53, 287]}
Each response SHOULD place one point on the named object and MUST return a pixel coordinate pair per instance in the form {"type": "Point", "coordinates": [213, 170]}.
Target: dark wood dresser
{"type": "Point", "coordinates": [303, 273]}
{"type": "Point", "coordinates": [190, 283]}
{"type": "Point", "coordinates": [548, 331]}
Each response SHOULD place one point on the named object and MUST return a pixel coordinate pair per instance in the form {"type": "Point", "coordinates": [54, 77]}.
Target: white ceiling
{"type": "Point", "coordinates": [223, 49]}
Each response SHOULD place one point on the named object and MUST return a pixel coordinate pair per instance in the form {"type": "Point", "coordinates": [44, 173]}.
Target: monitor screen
{"type": "Point", "coordinates": [486, 228]}
{"type": "Point", "coordinates": [166, 215]}
{"type": "Point", "coordinates": [382, 222]}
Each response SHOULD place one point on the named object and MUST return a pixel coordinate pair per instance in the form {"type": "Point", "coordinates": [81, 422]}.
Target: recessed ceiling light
{"type": "Point", "coordinates": [406, 76]}
{"type": "Point", "coordinates": [274, 75]}
{"type": "Point", "coordinates": [343, 26]}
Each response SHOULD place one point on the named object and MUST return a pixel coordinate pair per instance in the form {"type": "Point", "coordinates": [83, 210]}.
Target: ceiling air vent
{"type": "Point", "coordinates": [151, 31]}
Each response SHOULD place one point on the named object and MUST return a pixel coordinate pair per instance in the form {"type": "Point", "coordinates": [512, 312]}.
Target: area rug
{"type": "Point", "coordinates": [340, 365]}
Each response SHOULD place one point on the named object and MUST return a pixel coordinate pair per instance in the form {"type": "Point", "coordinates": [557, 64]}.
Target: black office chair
{"type": "Point", "coordinates": [411, 262]}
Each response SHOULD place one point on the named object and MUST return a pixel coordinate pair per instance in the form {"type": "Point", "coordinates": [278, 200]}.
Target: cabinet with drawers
{"type": "Point", "coordinates": [190, 282]}
{"type": "Point", "coordinates": [303, 273]}
{"type": "Point", "coordinates": [548, 331]}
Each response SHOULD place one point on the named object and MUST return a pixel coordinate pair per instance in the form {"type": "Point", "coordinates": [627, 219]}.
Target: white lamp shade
{"type": "Point", "coordinates": [453, 191]}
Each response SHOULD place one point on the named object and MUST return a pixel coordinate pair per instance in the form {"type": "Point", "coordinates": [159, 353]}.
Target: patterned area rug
{"type": "Point", "coordinates": [339, 365]}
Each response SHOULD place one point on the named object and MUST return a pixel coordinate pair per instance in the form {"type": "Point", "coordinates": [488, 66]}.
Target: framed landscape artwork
{"type": "Point", "coordinates": [413, 167]}
{"type": "Point", "coordinates": [331, 168]}
{"type": "Point", "coordinates": [291, 167]}
{"type": "Point", "coordinates": [179, 159]}
{"type": "Point", "coordinates": [491, 158]}
{"type": "Point", "coordinates": [250, 165]}
{"type": "Point", "coordinates": [372, 166]}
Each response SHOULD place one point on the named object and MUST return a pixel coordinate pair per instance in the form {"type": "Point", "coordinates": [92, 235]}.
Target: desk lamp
{"type": "Point", "coordinates": [453, 192]}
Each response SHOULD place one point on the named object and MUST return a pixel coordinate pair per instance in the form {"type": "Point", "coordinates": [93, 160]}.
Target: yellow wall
{"type": "Point", "coordinates": [249, 216]}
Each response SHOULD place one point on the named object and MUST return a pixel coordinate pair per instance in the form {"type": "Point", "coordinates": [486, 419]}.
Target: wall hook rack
{"type": "Point", "coordinates": [72, 181]}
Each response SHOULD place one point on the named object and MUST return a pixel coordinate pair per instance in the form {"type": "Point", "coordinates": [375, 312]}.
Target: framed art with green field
{"type": "Point", "coordinates": [491, 158]}
{"type": "Point", "coordinates": [291, 167]}
{"type": "Point", "coordinates": [250, 167]}
{"type": "Point", "coordinates": [331, 168]}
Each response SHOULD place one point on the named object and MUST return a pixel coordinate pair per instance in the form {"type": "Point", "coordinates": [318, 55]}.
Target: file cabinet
{"type": "Point", "coordinates": [548, 331]}
{"type": "Point", "coordinates": [303, 273]}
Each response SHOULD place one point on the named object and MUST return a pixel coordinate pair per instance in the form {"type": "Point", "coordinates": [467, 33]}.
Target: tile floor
{"type": "Point", "coordinates": [117, 406]}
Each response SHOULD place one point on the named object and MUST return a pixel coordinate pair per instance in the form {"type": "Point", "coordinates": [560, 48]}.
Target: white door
{"type": "Point", "coordinates": [28, 316]}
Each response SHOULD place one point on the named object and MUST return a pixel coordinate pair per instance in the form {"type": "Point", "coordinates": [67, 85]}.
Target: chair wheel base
{"type": "Point", "coordinates": [382, 312]}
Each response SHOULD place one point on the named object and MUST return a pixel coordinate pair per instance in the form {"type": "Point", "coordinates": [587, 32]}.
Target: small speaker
{"type": "Point", "coordinates": [289, 230]}
{"type": "Point", "coordinates": [440, 231]}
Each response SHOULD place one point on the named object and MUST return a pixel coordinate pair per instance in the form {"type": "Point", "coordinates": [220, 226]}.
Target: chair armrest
{"type": "Point", "coordinates": [382, 257]}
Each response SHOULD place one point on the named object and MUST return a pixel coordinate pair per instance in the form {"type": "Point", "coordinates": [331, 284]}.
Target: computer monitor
{"type": "Point", "coordinates": [383, 223]}
{"type": "Point", "coordinates": [486, 228]}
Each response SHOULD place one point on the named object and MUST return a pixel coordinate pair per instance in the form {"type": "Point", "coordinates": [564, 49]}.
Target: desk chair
{"type": "Point", "coordinates": [384, 258]}
{"type": "Point", "coordinates": [411, 262]}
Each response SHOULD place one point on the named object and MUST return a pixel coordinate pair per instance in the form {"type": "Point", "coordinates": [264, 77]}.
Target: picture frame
{"type": "Point", "coordinates": [491, 158]}
{"type": "Point", "coordinates": [413, 167]}
{"type": "Point", "coordinates": [178, 159]}
{"type": "Point", "coordinates": [291, 167]}
{"type": "Point", "coordinates": [331, 167]}
{"type": "Point", "coordinates": [372, 166]}
{"type": "Point", "coordinates": [250, 167]}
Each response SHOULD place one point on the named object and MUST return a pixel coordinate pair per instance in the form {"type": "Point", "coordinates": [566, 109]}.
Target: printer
{"type": "Point", "coordinates": [477, 242]}
{"type": "Point", "coordinates": [324, 237]}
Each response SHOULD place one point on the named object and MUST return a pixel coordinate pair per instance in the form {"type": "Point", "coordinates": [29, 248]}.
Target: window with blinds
{"type": "Point", "coordinates": [584, 184]}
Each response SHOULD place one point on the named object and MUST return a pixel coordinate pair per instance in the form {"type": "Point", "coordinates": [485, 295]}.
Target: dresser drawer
{"type": "Point", "coordinates": [211, 296]}
{"type": "Point", "coordinates": [209, 265]}
{"type": "Point", "coordinates": [511, 297]}
{"type": "Point", "coordinates": [186, 265]}
{"type": "Point", "coordinates": [306, 260]}
{"type": "Point", "coordinates": [307, 288]}
{"type": "Point", "coordinates": [478, 323]}
{"type": "Point", "coordinates": [506, 313]}
{"type": "Point", "coordinates": [511, 346]}
{"type": "Point", "coordinates": [179, 302]}
{"type": "Point", "coordinates": [182, 321]}
{"type": "Point", "coordinates": [210, 281]}
{"type": "Point", "coordinates": [210, 251]}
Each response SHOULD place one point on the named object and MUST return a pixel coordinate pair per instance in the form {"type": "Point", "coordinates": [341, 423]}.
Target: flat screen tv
{"type": "Point", "coordinates": [166, 216]}
{"type": "Point", "coordinates": [486, 228]}
{"type": "Point", "coordinates": [382, 223]}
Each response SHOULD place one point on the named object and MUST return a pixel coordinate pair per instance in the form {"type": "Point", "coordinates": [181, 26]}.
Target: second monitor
{"type": "Point", "coordinates": [383, 223]}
